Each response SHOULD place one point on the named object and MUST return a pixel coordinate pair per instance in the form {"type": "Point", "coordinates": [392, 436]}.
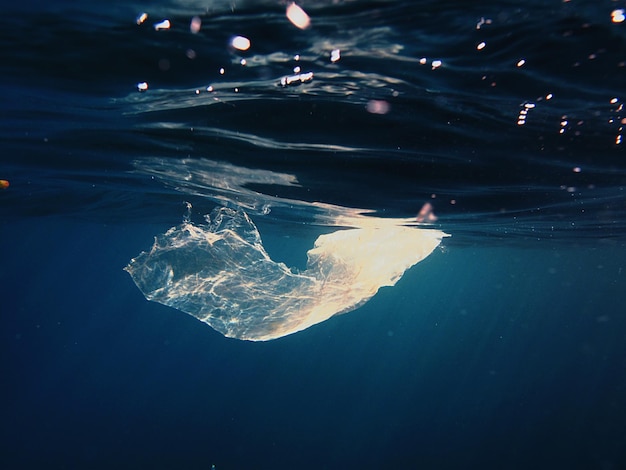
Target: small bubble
{"type": "Point", "coordinates": [377, 107]}
{"type": "Point", "coordinates": [195, 24]}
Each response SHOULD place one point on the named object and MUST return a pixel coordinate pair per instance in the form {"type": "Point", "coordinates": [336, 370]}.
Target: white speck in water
{"type": "Point", "coordinates": [141, 18]}
{"type": "Point", "coordinates": [165, 24]}
{"type": "Point", "coordinates": [298, 16]}
{"type": "Point", "coordinates": [240, 43]}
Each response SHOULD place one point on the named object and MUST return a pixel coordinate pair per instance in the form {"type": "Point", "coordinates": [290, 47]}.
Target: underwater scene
{"type": "Point", "coordinates": [322, 234]}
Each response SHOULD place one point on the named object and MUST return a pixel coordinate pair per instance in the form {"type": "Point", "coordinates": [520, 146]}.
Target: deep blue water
{"type": "Point", "coordinates": [506, 348]}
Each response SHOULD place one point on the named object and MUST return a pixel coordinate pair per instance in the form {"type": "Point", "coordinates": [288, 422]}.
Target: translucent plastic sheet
{"type": "Point", "coordinates": [221, 274]}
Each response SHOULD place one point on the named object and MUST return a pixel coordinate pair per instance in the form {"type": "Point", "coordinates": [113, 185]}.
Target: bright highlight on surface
{"type": "Point", "coordinates": [240, 43]}
{"type": "Point", "coordinates": [141, 17]}
{"type": "Point", "coordinates": [298, 16]}
{"type": "Point", "coordinates": [297, 78]}
{"type": "Point", "coordinates": [221, 274]}
{"type": "Point", "coordinates": [165, 24]}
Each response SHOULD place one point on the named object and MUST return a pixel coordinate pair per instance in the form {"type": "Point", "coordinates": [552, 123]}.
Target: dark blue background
{"type": "Point", "coordinates": [479, 357]}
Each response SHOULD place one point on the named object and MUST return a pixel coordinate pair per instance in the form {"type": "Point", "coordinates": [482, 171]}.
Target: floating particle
{"type": "Point", "coordinates": [378, 107]}
{"type": "Point", "coordinates": [165, 24]}
{"type": "Point", "coordinates": [521, 62]}
{"type": "Point", "coordinates": [436, 64]}
{"type": "Point", "coordinates": [618, 16]}
{"type": "Point", "coordinates": [297, 69]}
{"type": "Point", "coordinates": [195, 25]}
{"type": "Point", "coordinates": [243, 62]}
{"type": "Point", "coordinates": [523, 114]}
{"type": "Point", "coordinates": [296, 79]}
{"type": "Point", "coordinates": [191, 54]}
{"type": "Point", "coordinates": [335, 55]}
{"type": "Point", "coordinates": [426, 214]}
{"type": "Point", "coordinates": [576, 169]}
{"type": "Point", "coordinates": [142, 86]}
{"type": "Point", "coordinates": [4, 184]}
{"type": "Point", "coordinates": [240, 43]}
{"type": "Point", "coordinates": [222, 71]}
{"type": "Point", "coordinates": [141, 18]}
{"type": "Point", "coordinates": [481, 46]}
{"type": "Point", "coordinates": [298, 16]}
{"type": "Point", "coordinates": [209, 88]}
{"type": "Point", "coordinates": [423, 60]}
{"type": "Point", "coordinates": [483, 21]}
